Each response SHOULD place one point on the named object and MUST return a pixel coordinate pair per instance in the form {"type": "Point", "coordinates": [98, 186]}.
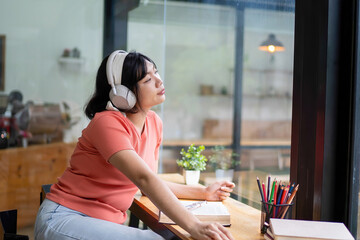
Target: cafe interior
{"type": "Point", "coordinates": [270, 85]}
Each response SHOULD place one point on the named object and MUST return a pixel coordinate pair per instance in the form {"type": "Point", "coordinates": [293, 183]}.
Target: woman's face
{"type": "Point", "coordinates": [151, 90]}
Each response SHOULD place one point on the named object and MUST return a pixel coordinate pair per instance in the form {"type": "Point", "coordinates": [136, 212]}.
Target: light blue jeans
{"type": "Point", "coordinates": [56, 222]}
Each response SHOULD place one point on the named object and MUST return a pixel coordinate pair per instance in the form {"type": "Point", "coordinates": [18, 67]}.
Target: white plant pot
{"type": "Point", "coordinates": [191, 177]}
{"type": "Point", "coordinates": [222, 174]}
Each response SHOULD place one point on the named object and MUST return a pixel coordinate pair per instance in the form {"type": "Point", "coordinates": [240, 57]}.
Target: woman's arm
{"type": "Point", "coordinates": [216, 191]}
{"type": "Point", "coordinates": [130, 164]}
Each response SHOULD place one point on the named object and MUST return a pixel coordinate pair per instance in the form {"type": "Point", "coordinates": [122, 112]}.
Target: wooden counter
{"type": "Point", "coordinates": [245, 220]}
{"type": "Point", "coordinates": [24, 170]}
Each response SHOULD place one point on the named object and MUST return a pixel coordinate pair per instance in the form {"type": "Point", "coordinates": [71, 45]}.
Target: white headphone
{"type": "Point", "coordinates": [120, 96]}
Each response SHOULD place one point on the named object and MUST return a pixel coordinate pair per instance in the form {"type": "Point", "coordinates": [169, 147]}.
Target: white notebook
{"type": "Point", "coordinates": [286, 229]}
{"type": "Point", "coordinates": [207, 212]}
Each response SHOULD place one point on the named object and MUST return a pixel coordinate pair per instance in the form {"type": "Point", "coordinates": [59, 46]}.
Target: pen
{"type": "Point", "coordinates": [195, 205]}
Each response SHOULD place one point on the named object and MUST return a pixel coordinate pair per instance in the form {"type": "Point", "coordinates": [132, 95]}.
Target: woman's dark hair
{"type": "Point", "coordinates": [134, 69]}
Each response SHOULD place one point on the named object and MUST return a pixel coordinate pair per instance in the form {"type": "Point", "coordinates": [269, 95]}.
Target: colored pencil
{"type": "Point", "coordinates": [289, 201]}
{"type": "Point", "coordinates": [275, 195]}
{"type": "Point", "coordinates": [263, 186]}
{"type": "Point", "coordinates": [261, 193]}
{"type": "Point", "coordinates": [272, 191]}
{"type": "Point", "coordinates": [268, 188]}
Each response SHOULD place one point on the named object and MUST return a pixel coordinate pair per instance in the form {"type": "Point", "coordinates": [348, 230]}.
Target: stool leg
{"type": "Point", "coordinates": [8, 220]}
{"type": "Point", "coordinates": [134, 221]}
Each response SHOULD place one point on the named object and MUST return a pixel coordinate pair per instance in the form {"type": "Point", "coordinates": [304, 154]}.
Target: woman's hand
{"type": "Point", "coordinates": [207, 231]}
{"type": "Point", "coordinates": [219, 190]}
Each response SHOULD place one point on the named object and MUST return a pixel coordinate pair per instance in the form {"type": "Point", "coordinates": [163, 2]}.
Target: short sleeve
{"type": "Point", "coordinates": [109, 134]}
{"type": "Point", "coordinates": [159, 126]}
{"type": "Point", "coordinates": [157, 123]}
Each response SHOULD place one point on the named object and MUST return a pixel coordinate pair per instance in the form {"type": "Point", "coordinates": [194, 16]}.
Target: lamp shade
{"type": "Point", "coordinates": [271, 44]}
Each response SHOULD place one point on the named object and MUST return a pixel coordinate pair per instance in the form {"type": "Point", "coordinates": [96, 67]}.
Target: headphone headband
{"type": "Point", "coordinates": [115, 62]}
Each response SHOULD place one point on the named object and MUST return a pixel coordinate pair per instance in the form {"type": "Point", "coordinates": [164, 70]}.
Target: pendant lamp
{"type": "Point", "coordinates": [271, 44]}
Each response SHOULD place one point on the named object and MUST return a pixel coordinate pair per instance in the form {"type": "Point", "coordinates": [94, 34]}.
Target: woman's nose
{"type": "Point", "coordinates": [159, 82]}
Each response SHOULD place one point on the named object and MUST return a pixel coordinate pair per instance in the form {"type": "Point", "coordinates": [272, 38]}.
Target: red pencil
{"type": "Point", "coordinates": [265, 199]}
{"type": "Point", "coordinates": [282, 201]}
{"type": "Point", "coordinates": [263, 186]}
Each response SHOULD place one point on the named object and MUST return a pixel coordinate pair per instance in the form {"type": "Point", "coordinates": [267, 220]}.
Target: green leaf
{"type": "Point", "coordinates": [192, 159]}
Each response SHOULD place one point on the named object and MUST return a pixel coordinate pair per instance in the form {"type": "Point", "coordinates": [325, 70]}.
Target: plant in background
{"type": "Point", "coordinates": [222, 159]}
{"type": "Point", "coordinates": [192, 159]}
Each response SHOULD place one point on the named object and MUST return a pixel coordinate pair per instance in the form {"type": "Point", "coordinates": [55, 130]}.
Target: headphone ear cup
{"type": "Point", "coordinates": [124, 98]}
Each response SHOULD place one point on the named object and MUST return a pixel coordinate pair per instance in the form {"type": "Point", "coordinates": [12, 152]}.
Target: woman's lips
{"type": "Point", "coordinates": [162, 92]}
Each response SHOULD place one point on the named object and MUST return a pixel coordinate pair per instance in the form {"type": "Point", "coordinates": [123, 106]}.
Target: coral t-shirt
{"type": "Point", "coordinates": [91, 184]}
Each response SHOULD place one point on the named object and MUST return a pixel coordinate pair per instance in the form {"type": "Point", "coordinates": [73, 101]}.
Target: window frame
{"type": "Point", "coordinates": [325, 132]}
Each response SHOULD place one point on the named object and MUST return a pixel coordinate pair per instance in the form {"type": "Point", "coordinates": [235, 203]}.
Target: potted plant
{"type": "Point", "coordinates": [224, 162]}
{"type": "Point", "coordinates": [192, 162]}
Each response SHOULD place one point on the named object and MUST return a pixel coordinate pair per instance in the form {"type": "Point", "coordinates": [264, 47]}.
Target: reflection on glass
{"type": "Point", "coordinates": [196, 47]}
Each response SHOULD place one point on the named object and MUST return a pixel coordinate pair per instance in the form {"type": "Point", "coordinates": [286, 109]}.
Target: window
{"type": "Point", "coordinates": [214, 71]}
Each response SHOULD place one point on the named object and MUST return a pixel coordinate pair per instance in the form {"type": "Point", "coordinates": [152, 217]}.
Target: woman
{"type": "Point", "coordinates": [117, 155]}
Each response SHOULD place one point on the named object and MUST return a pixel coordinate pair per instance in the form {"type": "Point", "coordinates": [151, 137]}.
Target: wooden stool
{"type": "Point", "coordinates": [8, 220]}
{"type": "Point", "coordinates": [44, 190]}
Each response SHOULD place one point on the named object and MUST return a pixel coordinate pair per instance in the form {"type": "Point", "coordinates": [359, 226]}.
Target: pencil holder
{"type": "Point", "coordinates": [269, 210]}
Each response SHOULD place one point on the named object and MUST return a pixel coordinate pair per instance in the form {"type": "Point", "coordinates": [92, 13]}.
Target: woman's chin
{"type": "Point", "coordinates": [162, 99]}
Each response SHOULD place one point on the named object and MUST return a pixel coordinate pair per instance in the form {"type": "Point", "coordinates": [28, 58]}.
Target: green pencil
{"type": "Point", "coordinates": [272, 191]}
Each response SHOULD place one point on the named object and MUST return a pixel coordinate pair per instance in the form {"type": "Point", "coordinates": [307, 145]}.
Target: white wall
{"type": "Point", "coordinates": [37, 32]}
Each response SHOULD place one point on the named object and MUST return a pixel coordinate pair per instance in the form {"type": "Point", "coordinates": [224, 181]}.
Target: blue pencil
{"type": "Point", "coordinates": [291, 188]}
{"type": "Point", "coordinates": [261, 193]}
